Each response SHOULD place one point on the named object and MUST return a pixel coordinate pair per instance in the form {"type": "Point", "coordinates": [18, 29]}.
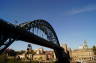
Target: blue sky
{"type": "Point", "coordinates": [73, 20]}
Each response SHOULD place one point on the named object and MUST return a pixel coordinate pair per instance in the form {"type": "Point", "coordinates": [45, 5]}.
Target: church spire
{"type": "Point", "coordinates": [85, 46]}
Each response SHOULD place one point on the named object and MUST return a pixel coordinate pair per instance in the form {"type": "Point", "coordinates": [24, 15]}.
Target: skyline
{"type": "Point", "coordinates": [73, 21]}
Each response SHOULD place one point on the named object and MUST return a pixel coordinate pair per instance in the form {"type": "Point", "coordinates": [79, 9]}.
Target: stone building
{"type": "Point", "coordinates": [39, 51]}
{"type": "Point", "coordinates": [83, 54]}
{"type": "Point", "coordinates": [42, 55]}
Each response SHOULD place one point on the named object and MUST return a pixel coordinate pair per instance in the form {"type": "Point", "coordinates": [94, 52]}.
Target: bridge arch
{"type": "Point", "coordinates": [44, 26]}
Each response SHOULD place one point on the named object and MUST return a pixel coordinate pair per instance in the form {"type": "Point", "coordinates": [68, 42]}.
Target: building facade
{"type": "Point", "coordinates": [83, 54]}
{"type": "Point", "coordinates": [43, 55]}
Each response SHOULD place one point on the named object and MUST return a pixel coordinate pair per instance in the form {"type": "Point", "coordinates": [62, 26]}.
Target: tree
{"type": "Point", "coordinates": [30, 52]}
{"type": "Point", "coordinates": [10, 52]}
{"type": "Point", "coordinates": [94, 49]}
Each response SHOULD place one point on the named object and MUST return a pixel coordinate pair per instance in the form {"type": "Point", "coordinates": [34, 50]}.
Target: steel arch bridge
{"type": "Point", "coordinates": [39, 32]}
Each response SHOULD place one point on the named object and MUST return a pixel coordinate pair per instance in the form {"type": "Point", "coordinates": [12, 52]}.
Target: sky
{"type": "Point", "coordinates": [73, 20]}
